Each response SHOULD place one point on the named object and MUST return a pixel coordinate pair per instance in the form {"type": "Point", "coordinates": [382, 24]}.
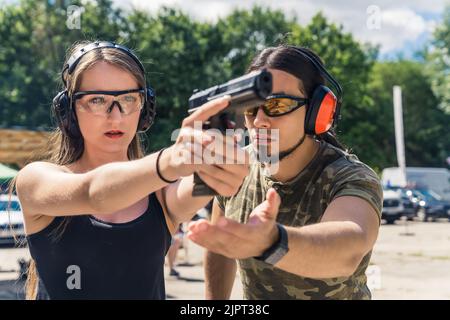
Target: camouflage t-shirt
{"type": "Point", "coordinates": [331, 174]}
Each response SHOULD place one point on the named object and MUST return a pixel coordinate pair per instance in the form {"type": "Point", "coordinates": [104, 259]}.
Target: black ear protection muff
{"type": "Point", "coordinates": [323, 110]}
{"type": "Point", "coordinates": [62, 107]}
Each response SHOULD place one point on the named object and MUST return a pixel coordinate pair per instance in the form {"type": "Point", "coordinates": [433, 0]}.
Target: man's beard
{"type": "Point", "coordinates": [263, 155]}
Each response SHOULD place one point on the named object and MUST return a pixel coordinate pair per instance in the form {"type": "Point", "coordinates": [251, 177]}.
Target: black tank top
{"type": "Point", "coordinates": [93, 259]}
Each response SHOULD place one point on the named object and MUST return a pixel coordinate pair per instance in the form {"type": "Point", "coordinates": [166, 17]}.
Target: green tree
{"type": "Point", "coordinates": [427, 137]}
{"type": "Point", "coordinates": [244, 33]}
{"type": "Point", "coordinates": [438, 62]}
{"type": "Point", "coordinates": [34, 41]}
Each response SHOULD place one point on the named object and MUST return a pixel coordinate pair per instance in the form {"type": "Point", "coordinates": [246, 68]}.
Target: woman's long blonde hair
{"type": "Point", "coordinates": [63, 149]}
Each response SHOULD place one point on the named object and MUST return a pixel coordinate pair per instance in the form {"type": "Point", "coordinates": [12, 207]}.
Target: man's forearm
{"type": "Point", "coordinates": [324, 250]}
{"type": "Point", "coordinates": [220, 273]}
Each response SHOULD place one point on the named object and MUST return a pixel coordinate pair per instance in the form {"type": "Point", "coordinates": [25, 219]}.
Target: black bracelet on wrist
{"type": "Point", "coordinates": [159, 172]}
{"type": "Point", "coordinates": [278, 250]}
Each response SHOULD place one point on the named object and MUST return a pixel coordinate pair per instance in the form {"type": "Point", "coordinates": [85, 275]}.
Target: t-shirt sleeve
{"type": "Point", "coordinates": [359, 180]}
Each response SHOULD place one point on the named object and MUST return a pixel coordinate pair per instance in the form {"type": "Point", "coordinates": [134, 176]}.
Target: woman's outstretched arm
{"type": "Point", "coordinates": [48, 189]}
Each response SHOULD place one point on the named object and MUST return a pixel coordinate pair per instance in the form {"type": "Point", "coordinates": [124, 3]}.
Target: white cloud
{"type": "Point", "coordinates": [403, 24]}
{"type": "Point", "coordinates": [402, 21]}
{"type": "Point", "coordinates": [397, 26]}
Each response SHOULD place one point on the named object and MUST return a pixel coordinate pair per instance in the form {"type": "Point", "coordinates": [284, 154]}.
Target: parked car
{"type": "Point", "coordinates": [411, 201]}
{"type": "Point", "coordinates": [392, 206]}
{"type": "Point", "coordinates": [11, 223]}
{"type": "Point", "coordinates": [436, 179]}
{"type": "Point", "coordinates": [434, 206]}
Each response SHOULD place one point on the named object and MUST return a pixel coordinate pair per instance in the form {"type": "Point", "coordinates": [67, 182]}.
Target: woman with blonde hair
{"type": "Point", "coordinates": [99, 215]}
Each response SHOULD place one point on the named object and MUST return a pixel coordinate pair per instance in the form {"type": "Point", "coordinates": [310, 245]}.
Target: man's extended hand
{"type": "Point", "coordinates": [240, 240]}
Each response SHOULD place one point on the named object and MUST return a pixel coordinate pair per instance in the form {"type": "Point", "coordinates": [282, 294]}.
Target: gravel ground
{"type": "Point", "coordinates": [411, 260]}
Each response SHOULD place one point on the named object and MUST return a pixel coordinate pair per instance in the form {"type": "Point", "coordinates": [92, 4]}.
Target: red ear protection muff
{"type": "Point", "coordinates": [323, 110]}
{"type": "Point", "coordinates": [62, 108]}
{"type": "Point", "coordinates": [320, 113]}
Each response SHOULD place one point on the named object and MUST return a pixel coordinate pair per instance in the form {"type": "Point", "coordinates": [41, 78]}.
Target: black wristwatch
{"type": "Point", "coordinates": [278, 250]}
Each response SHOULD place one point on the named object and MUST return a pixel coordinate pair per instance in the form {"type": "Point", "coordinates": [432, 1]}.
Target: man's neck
{"type": "Point", "coordinates": [294, 163]}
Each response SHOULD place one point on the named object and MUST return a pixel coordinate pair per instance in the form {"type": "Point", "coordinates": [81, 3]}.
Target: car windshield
{"type": "Point", "coordinates": [4, 206]}
{"type": "Point", "coordinates": [428, 193]}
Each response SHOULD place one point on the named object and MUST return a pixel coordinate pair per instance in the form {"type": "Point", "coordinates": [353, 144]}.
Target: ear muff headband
{"type": "Point", "coordinates": [72, 62]}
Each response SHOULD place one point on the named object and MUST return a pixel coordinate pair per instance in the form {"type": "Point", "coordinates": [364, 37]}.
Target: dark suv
{"type": "Point", "coordinates": [434, 207]}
